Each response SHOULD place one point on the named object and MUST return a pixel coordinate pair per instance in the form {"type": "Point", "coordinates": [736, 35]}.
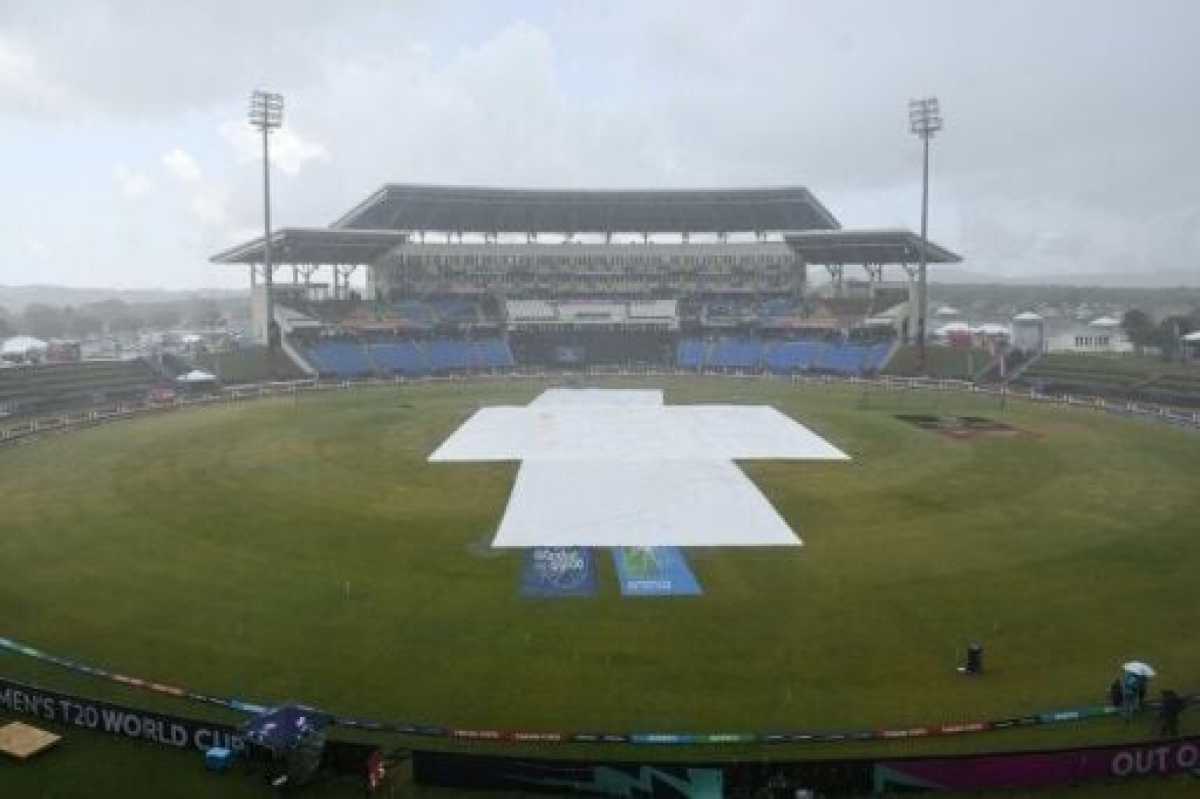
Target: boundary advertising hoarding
{"type": "Point", "coordinates": [73, 711]}
{"type": "Point", "coordinates": [845, 777]}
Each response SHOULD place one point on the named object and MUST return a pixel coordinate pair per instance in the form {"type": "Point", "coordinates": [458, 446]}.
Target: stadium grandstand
{"type": "Point", "coordinates": [461, 278]}
{"type": "Point", "coordinates": [51, 387]}
{"type": "Point", "coordinates": [1128, 378]}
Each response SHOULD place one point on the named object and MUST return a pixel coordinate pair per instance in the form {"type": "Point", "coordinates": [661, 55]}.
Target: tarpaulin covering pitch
{"type": "Point", "coordinates": [607, 468]}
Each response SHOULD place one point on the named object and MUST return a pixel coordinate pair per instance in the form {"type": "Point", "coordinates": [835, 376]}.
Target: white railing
{"type": "Point", "coordinates": [82, 419]}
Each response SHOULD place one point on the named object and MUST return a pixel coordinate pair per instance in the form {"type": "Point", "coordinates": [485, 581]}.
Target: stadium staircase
{"type": "Point", "coordinates": [62, 386]}
{"type": "Point", "coordinates": [891, 353]}
{"type": "Point", "coordinates": [297, 357]}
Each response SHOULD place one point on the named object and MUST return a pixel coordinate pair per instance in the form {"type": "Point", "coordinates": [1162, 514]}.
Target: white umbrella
{"type": "Point", "coordinates": [197, 376]}
{"type": "Point", "coordinates": [23, 345]}
{"type": "Point", "coordinates": [1140, 669]}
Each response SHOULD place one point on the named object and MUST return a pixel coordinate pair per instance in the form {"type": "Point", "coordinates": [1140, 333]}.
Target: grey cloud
{"type": "Point", "coordinates": [1070, 125]}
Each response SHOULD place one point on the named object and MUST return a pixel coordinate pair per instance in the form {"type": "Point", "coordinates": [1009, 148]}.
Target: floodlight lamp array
{"type": "Point", "coordinates": [924, 116]}
{"type": "Point", "coordinates": [266, 110]}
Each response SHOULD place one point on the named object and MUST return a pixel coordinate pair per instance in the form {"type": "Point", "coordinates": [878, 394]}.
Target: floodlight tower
{"type": "Point", "coordinates": [266, 114]}
{"type": "Point", "coordinates": [924, 120]}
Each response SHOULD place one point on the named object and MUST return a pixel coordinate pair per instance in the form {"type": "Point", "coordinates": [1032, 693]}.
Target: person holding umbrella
{"type": "Point", "coordinates": [1135, 675]}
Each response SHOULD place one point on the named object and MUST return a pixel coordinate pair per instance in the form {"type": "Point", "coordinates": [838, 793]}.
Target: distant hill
{"type": "Point", "coordinates": [15, 298]}
{"type": "Point", "coordinates": [1189, 278]}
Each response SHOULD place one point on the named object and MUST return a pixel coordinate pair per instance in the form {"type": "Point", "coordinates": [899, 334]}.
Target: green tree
{"type": "Point", "coordinates": [82, 325]}
{"type": "Point", "coordinates": [126, 323]}
{"type": "Point", "coordinates": [1138, 325]}
{"type": "Point", "coordinates": [164, 317]}
{"type": "Point", "coordinates": [44, 321]}
{"type": "Point", "coordinates": [204, 313]}
{"type": "Point", "coordinates": [1166, 337]}
{"type": "Point", "coordinates": [106, 310]}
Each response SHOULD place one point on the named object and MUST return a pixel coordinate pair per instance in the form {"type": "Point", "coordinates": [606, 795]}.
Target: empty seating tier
{"type": "Point", "coordinates": [60, 386]}
{"type": "Point", "coordinates": [782, 357]}
{"type": "Point", "coordinates": [409, 357]}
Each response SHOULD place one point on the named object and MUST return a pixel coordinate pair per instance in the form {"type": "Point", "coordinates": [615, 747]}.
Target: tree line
{"type": "Point", "coordinates": [1144, 332]}
{"type": "Point", "coordinates": [117, 317]}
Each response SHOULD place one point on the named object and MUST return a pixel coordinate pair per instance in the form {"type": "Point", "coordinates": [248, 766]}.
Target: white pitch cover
{"type": "Point", "coordinates": [642, 503]}
{"type": "Point", "coordinates": [618, 468]}
{"type": "Point", "coordinates": [598, 396]}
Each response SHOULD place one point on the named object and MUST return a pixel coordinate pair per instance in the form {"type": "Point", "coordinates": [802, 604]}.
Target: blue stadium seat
{"type": "Point", "coordinates": [411, 357]}
{"type": "Point", "coordinates": [736, 353]}
{"type": "Point", "coordinates": [402, 357]}
{"type": "Point", "coordinates": [789, 357]}
{"type": "Point", "coordinates": [841, 358]}
{"type": "Point", "coordinates": [494, 353]}
{"type": "Point", "coordinates": [690, 354]}
{"type": "Point", "coordinates": [447, 355]}
{"type": "Point", "coordinates": [340, 359]}
{"type": "Point", "coordinates": [786, 357]}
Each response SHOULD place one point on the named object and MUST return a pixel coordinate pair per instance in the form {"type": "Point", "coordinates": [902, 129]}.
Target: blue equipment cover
{"type": "Point", "coordinates": [282, 728]}
{"type": "Point", "coordinates": [218, 759]}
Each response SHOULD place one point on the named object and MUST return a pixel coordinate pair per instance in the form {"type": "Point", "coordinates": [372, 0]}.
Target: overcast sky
{"type": "Point", "coordinates": [1071, 140]}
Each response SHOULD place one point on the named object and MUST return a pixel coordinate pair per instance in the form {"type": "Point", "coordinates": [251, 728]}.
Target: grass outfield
{"type": "Point", "coordinates": [211, 548]}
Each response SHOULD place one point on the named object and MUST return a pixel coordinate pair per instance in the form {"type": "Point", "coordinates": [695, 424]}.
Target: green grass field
{"type": "Point", "coordinates": [213, 548]}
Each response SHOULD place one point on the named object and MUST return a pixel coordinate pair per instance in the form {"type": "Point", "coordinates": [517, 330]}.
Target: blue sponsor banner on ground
{"type": "Point", "coordinates": [654, 571]}
{"type": "Point", "coordinates": [558, 571]}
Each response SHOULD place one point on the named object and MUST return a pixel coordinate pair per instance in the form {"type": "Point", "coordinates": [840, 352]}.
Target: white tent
{"type": "Point", "coordinates": [197, 376]}
{"type": "Point", "coordinates": [992, 329]}
{"type": "Point", "coordinates": [22, 345]}
{"type": "Point", "coordinates": [953, 328]}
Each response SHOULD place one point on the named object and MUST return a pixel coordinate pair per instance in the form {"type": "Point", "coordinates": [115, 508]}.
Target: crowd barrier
{"type": "Point", "coordinates": [795, 778]}
{"type": "Point", "coordinates": [635, 738]}
{"type": "Point", "coordinates": [735, 779]}
{"type": "Point", "coordinates": [234, 394]}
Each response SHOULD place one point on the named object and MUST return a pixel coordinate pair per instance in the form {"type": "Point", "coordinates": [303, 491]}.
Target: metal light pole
{"type": "Point", "coordinates": [924, 119]}
{"type": "Point", "coordinates": [266, 114]}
